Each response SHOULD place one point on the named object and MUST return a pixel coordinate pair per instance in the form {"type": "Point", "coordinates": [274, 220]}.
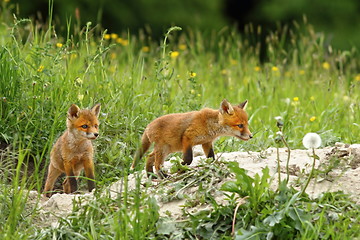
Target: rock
{"type": "Point", "coordinates": [339, 144]}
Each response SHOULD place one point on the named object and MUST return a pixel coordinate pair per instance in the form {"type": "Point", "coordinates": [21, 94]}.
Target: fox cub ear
{"type": "Point", "coordinates": [96, 109]}
{"type": "Point", "coordinates": [226, 107]}
{"type": "Point", "coordinates": [243, 104]}
{"type": "Point", "coordinates": [73, 111]}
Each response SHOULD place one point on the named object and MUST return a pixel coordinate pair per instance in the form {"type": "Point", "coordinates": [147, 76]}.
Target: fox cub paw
{"type": "Point", "coordinates": [160, 175]}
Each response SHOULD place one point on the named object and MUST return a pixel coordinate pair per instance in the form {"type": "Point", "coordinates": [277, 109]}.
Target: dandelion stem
{"type": "Point", "coordinates": [288, 158]}
{"type": "Point", "coordinates": [278, 165]}
{"type": "Point", "coordinates": [310, 175]}
{"type": "Point", "coordinates": [241, 202]}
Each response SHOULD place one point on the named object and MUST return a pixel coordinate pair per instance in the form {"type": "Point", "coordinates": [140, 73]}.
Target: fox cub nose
{"type": "Point", "coordinates": [250, 136]}
{"type": "Point", "coordinates": [96, 134]}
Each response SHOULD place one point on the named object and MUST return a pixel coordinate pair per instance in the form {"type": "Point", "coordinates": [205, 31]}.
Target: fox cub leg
{"type": "Point", "coordinates": [70, 183]}
{"type": "Point", "coordinates": [151, 160]}
{"type": "Point", "coordinates": [187, 151]}
{"type": "Point", "coordinates": [72, 174]}
{"type": "Point", "coordinates": [187, 156]}
{"type": "Point", "coordinates": [89, 173]}
{"type": "Point", "coordinates": [159, 162]}
{"type": "Point", "coordinates": [208, 150]}
{"type": "Point", "coordinates": [156, 158]}
{"type": "Point", "coordinates": [53, 174]}
{"type": "Point", "coordinates": [66, 185]}
{"type": "Point", "coordinates": [150, 163]}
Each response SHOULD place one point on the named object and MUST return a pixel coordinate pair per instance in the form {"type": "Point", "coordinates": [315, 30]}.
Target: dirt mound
{"type": "Point", "coordinates": [337, 169]}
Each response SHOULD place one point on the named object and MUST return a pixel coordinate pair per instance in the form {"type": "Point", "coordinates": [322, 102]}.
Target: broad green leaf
{"type": "Point", "coordinates": [230, 186]}
{"type": "Point", "coordinates": [299, 216]}
{"type": "Point", "coordinates": [265, 177]}
{"type": "Point", "coordinates": [254, 233]}
{"type": "Point", "coordinates": [292, 201]}
{"type": "Point", "coordinates": [274, 219]}
{"type": "Point", "coordinates": [166, 227]}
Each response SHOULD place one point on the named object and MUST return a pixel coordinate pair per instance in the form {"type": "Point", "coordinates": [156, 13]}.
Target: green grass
{"type": "Point", "coordinates": [39, 79]}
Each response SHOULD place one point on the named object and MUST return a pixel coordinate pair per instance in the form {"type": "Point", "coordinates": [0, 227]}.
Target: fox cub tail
{"type": "Point", "coordinates": [145, 145]}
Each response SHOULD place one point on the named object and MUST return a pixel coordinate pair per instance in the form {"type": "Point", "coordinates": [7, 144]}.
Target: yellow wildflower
{"type": "Point", "coordinates": [114, 36]}
{"type": "Point", "coordinates": [224, 72]}
{"type": "Point", "coordinates": [287, 74]}
{"type": "Point", "coordinates": [78, 80]}
{"type": "Point", "coordinates": [357, 77]}
{"type": "Point", "coordinates": [123, 42]}
{"type": "Point", "coordinates": [192, 91]}
{"type": "Point", "coordinates": [246, 80]}
{"type": "Point", "coordinates": [233, 62]}
{"type": "Point", "coordinates": [301, 72]}
{"type": "Point", "coordinates": [73, 56]}
{"type": "Point", "coordinates": [145, 49]}
{"type": "Point", "coordinates": [296, 99]}
{"type": "Point", "coordinates": [107, 36]}
{"type": "Point", "coordinates": [182, 47]}
{"type": "Point", "coordinates": [113, 55]}
{"type": "Point", "coordinates": [313, 118]}
{"type": "Point", "coordinates": [80, 97]}
{"type": "Point", "coordinates": [112, 69]}
{"type": "Point", "coordinates": [275, 69]}
{"type": "Point", "coordinates": [41, 68]}
{"type": "Point", "coordinates": [174, 54]}
{"type": "Point", "coordinates": [326, 65]}
{"type": "Point", "coordinates": [59, 45]}
{"type": "Point", "coordinates": [257, 69]}
{"type": "Point", "coordinates": [192, 74]}
{"type": "Point", "coordinates": [312, 98]}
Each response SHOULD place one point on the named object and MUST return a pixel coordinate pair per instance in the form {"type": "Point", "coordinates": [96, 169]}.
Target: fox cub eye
{"type": "Point", "coordinates": [84, 126]}
{"type": "Point", "coordinates": [241, 125]}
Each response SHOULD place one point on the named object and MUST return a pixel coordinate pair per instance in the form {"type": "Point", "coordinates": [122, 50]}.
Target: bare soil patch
{"type": "Point", "coordinates": [338, 169]}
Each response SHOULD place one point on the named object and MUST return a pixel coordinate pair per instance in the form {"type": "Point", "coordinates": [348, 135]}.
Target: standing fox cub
{"type": "Point", "coordinates": [73, 151]}
{"type": "Point", "coordinates": [181, 131]}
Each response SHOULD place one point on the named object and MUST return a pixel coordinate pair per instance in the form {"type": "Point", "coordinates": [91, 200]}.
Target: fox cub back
{"type": "Point", "coordinates": [73, 151]}
{"type": "Point", "coordinates": [181, 131]}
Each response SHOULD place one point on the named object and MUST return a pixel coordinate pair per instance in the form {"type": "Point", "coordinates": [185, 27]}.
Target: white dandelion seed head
{"type": "Point", "coordinates": [287, 101]}
{"type": "Point", "coordinates": [311, 140]}
{"type": "Point", "coordinates": [279, 133]}
{"type": "Point", "coordinates": [278, 118]}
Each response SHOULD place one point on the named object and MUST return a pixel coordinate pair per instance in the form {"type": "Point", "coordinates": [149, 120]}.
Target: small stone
{"type": "Point", "coordinates": [339, 144]}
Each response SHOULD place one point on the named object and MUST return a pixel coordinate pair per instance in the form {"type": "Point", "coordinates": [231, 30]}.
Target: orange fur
{"type": "Point", "coordinates": [73, 151]}
{"type": "Point", "coordinates": [181, 131]}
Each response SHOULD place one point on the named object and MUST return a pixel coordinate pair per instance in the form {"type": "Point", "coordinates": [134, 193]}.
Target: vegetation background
{"type": "Point", "coordinates": [121, 54]}
{"type": "Point", "coordinates": [338, 19]}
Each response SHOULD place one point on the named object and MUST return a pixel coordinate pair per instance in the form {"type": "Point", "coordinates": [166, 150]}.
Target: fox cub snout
{"type": "Point", "coordinates": [181, 131]}
{"type": "Point", "coordinates": [73, 151]}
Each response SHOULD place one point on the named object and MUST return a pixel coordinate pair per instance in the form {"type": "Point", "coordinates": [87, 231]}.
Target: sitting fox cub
{"type": "Point", "coordinates": [73, 151]}
{"type": "Point", "coordinates": [181, 131]}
